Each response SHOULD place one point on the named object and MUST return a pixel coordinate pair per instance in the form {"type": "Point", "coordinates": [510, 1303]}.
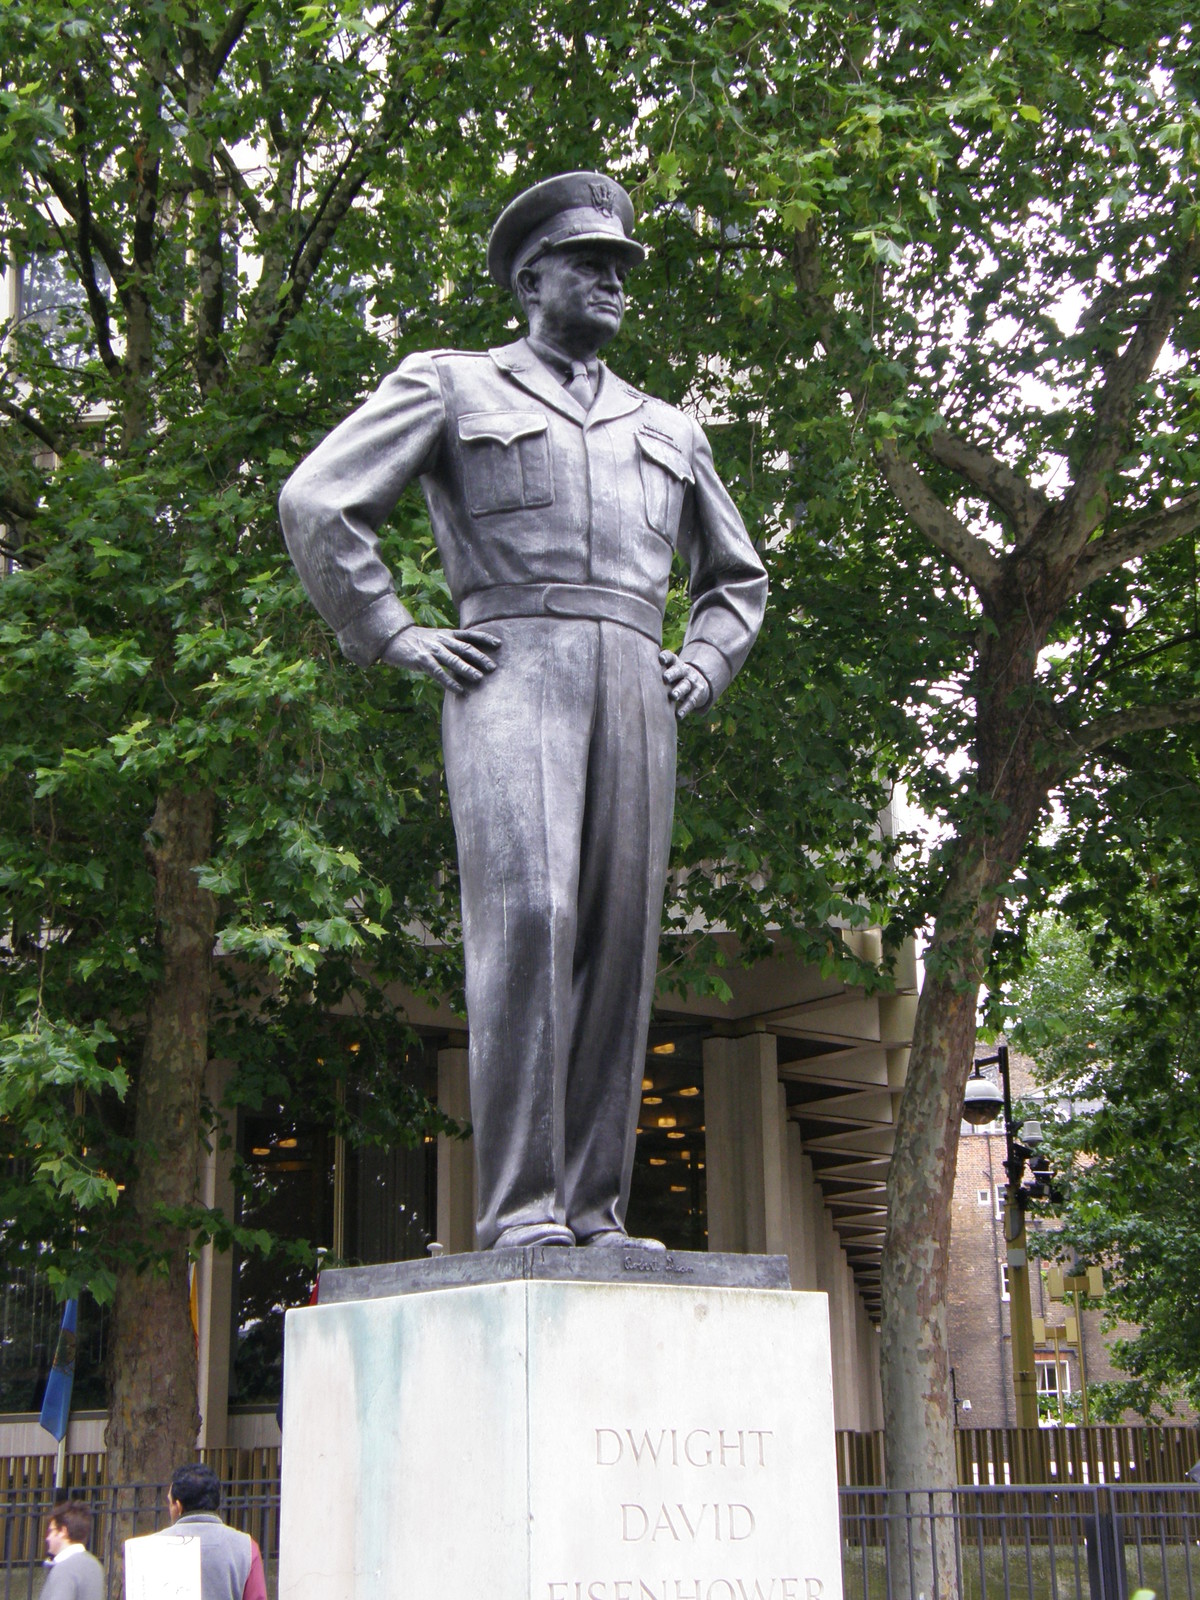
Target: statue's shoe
{"type": "Point", "coordinates": [524, 1233]}
{"type": "Point", "coordinates": [617, 1239]}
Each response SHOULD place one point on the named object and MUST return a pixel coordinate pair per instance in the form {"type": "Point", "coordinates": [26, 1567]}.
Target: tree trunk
{"type": "Point", "coordinates": [153, 1417]}
{"type": "Point", "coordinates": [914, 1350]}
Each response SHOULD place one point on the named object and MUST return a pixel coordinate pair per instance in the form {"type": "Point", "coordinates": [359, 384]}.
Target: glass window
{"type": "Point", "coordinates": [668, 1199]}
{"type": "Point", "coordinates": [51, 298]}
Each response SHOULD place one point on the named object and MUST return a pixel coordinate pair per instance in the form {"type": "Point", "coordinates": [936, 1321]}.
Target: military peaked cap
{"type": "Point", "coordinates": [574, 208]}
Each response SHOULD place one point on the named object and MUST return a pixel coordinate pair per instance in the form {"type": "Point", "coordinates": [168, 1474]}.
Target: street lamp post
{"type": "Point", "coordinates": [982, 1104]}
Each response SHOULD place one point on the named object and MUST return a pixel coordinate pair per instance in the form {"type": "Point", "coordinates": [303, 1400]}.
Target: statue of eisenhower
{"type": "Point", "coordinates": [558, 496]}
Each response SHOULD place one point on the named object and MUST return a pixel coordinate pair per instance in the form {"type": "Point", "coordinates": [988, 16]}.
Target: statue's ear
{"type": "Point", "coordinates": [526, 286]}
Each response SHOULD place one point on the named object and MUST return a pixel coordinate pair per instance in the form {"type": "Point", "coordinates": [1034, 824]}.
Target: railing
{"type": "Point", "coordinates": [1021, 1543]}
{"type": "Point", "coordinates": [250, 1502]}
{"type": "Point", "coordinates": [1094, 1455]}
{"type": "Point", "coordinates": [1072, 1541]}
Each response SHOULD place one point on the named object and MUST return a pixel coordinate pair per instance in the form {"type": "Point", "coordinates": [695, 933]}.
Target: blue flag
{"type": "Point", "coordinates": [56, 1406]}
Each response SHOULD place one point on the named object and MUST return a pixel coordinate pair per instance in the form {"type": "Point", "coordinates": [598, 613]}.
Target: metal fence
{"type": "Point", "coordinates": [120, 1512]}
{"type": "Point", "coordinates": [1077, 1542]}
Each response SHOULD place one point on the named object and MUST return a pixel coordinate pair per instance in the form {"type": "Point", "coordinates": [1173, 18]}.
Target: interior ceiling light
{"type": "Point", "coordinates": [666, 1122]}
{"type": "Point", "coordinates": [677, 1136]}
{"type": "Point", "coordinates": [260, 1150]}
{"type": "Point", "coordinates": [287, 1144]}
{"type": "Point", "coordinates": [647, 1083]}
{"type": "Point", "coordinates": [667, 1049]}
{"type": "Point", "coordinates": [653, 1100]}
{"type": "Point", "coordinates": [687, 1093]}
{"type": "Point", "coordinates": [679, 1188]}
{"type": "Point", "coordinates": [658, 1161]}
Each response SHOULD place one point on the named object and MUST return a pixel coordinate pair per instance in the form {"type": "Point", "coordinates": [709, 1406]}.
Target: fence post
{"type": "Point", "coordinates": [1105, 1551]}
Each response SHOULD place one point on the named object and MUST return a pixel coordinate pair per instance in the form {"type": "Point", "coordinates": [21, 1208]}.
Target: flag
{"type": "Point", "coordinates": [56, 1405]}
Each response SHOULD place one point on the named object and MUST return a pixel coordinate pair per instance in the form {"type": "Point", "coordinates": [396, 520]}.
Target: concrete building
{"type": "Point", "coordinates": [767, 1125]}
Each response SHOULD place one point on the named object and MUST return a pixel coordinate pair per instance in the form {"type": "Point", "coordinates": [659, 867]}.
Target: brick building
{"type": "Point", "coordinates": [978, 1309]}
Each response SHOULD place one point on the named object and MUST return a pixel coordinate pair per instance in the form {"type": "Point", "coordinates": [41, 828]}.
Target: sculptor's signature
{"type": "Point", "coordinates": [651, 1261]}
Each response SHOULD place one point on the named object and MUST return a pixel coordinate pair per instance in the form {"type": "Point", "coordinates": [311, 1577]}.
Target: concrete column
{"type": "Point", "coordinates": [214, 1272]}
{"type": "Point", "coordinates": [455, 1158]}
{"type": "Point", "coordinates": [802, 1237]}
{"type": "Point", "coordinates": [745, 1145]}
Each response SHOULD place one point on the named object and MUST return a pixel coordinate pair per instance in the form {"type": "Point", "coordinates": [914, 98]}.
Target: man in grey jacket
{"type": "Point", "coordinates": [74, 1573]}
{"type": "Point", "coordinates": [559, 496]}
{"type": "Point", "coordinates": [230, 1562]}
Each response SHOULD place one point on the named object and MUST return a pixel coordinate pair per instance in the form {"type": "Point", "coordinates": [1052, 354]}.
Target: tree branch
{"type": "Point", "coordinates": [1138, 537]}
{"type": "Point", "coordinates": [241, 189]}
{"type": "Point", "coordinates": [936, 521]}
{"type": "Point", "coordinates": [1085, 506]}
{"type": "Point", "coordinates": [66, 196]}
{"type": "Point", "coordinates": [1006, 489]}
{"type": "Point", "coordinates": [33, 425]}
{"type": "Point", "coordinates": [230, 34]}
{"type": "Point", "coordinates": [1080, 742]}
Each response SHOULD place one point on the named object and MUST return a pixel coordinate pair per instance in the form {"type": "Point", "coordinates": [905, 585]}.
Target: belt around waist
{"type": "Point", "coordinates": [562, 600]}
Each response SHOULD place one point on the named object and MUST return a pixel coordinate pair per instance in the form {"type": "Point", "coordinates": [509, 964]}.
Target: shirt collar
{"type": "Point", "coordinates": [68, 1550]}
{"type": "Point", "coordinates": [560, 365]}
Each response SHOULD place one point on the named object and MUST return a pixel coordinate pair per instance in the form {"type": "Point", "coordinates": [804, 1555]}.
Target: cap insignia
{"type": "Point", "coordinates": [602, 198]}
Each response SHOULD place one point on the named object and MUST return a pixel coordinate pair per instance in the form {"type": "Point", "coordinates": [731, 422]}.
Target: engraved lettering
{"type": "Point", "coordinates": [601, 1434]}
{"type": "Point", "coordinates": [600, 1586]}
{"type": "Point", "coordinates": [758, 1589]}
{"type": "Point", "coordinates": [738, 1447]}
{"type": "Point", "coordinates": [706, 1460]}
{"type": "Point", "coordinates": [748, 1524]}
{"type": "Point", "coordinates": [664, 1521]}
{"type": "Point", "coordinates": [679, 1594]}
{"type": "Point", "coordinates": [789, 1588]}
{"type": "Point", "coordinates": [631, 1538]}
{"type": "Point", "coordinates": [553, 1587]}
{"type": "Point", "coordinates": [813, 1589]}
{"type": "Point", "coordinates": [687, 1521]}
{"type": "Point", "coordinates": [645, 1448]}
{"type": "Point", "coordinates": [725, 1584]}
{"type": "Point", "coordinates": [645, 1592]}
{"type": "Point", "coordinates": [761, 1434]}
{"type": "Point", "coordinates": [622, 1588]}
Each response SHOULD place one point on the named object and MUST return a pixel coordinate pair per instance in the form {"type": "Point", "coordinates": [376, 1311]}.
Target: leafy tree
{"type": "Point", "coordinates": [235, 210]}
{"type": "Point", "coordinates": [1114, 1025]}
{"type": "Point", "coordinates": [965, 241]}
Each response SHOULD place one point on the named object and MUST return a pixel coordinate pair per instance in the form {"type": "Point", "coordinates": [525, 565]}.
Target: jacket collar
{"type": "Point", "coordinates": [520, 362]}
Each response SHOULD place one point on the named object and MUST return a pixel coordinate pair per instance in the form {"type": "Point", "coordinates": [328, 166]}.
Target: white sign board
{"type": "Point", "coordinates": [163, 1566]}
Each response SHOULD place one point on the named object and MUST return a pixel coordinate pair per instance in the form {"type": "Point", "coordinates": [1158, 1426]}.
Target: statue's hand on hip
{"type": "Point", "coordinates": [687, 686]}
{"type": "Point", "coordinates": [457, 658]}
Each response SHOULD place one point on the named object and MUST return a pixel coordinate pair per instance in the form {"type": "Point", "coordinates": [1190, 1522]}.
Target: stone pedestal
{"type": "Point", "coordinates": [543, 1437]}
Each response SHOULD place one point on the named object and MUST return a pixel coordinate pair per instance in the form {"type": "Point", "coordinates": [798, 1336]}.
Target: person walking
{"type": "Point", "coordinates": [230, 1562]}
{"type": "Point", "coordinates": [74, 1574]}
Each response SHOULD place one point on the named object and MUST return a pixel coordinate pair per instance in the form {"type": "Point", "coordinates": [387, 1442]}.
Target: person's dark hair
{"type": "Point", "coordinates": [74, 1519]}
{"type": "Point", "coordinates": [196, 1487]}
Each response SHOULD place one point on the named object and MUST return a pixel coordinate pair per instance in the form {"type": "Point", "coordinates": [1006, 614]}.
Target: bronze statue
{"type": "Point", "coordinates": [559, 496]}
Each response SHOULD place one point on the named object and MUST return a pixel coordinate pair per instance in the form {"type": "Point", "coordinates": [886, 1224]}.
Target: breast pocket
{"type": "Point", "coordinates": [506, 461]}
{"type": "Point", "coordinates": [666, 473]}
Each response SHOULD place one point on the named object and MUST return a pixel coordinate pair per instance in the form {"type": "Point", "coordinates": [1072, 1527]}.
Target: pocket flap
{"type": "Point", "coordinates": [504, 427]}
{"type": "Point", "coordinates": [666, 455]}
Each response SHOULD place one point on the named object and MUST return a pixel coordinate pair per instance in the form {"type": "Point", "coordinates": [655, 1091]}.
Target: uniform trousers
{"type": "Point", "coordinates": [561, 773]}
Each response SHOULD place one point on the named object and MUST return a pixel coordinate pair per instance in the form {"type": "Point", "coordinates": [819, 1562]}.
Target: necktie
{"type": "Point", "coordinates": [580, 384]}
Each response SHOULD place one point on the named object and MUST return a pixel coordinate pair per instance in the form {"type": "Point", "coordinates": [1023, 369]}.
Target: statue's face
{"type": "Point", "coordinates": [580, 298]}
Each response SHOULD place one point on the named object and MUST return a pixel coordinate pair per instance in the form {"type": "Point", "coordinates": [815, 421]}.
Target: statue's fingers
{"type": "Point", "coordinates": [463, 650]}
{"type": "Point", "coordinates": [477, 636]}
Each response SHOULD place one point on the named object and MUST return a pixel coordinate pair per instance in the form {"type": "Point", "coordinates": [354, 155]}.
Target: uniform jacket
{"type": "Point", "coordinates": [524, 488]}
